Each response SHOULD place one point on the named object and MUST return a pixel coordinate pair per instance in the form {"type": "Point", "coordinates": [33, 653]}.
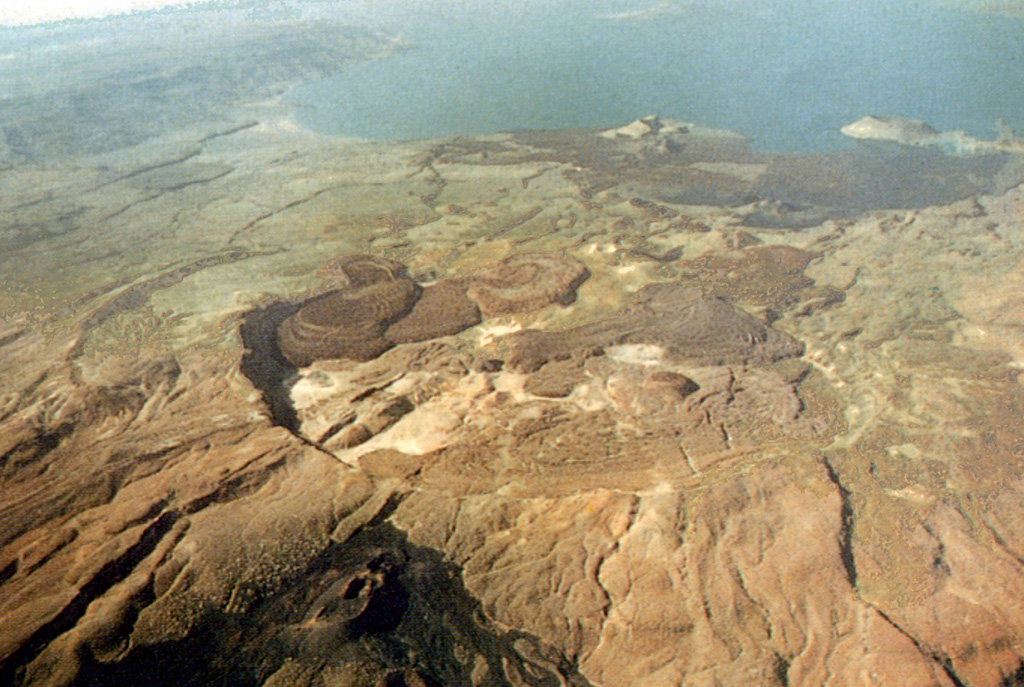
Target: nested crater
{"type": "Point", "coordinates": [378, 306]}
{"type": "Point", "coordinates": [527, 282]}
{"type": "Point", "coordinates": [347, 323]}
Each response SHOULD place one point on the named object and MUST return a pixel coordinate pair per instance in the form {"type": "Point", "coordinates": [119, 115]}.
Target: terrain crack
{"type": "Point", "coordinates": [164, 191]}
{"type": "Point", "coordinates": [110, 574]}
{"type": "Point", "coordinates": [606, 606]}
{"type": "Point", "coordinates": [689, 459]}
{"type": "Point", "coordinates": [762, 610]}
{"type": "Point", "coordinates": [149, 168]}
{"type": "Point", "coordinates": [846, 525]}
{"type": "Point", "coordinates": [283, 208]}
{"type": "Point", "coordinates": [264, 365]}
{"type": "Point", "coordinates": [845, 537]}
{"type": "Point", "coordinates": [13, 336]}
{"type": "Point", "coordinates": [234, 130]}
{"type": "Point", "coordinates": [616, 545]}
{"type": "Point", "coordinates": [515, 222]}
{"type": "Point", "coordinates": [944, 662]}
{"type": "Point", "coordinates": [129, 206]}
{"type": "Point", "coordinates": [29, 203]}
{"type": "Point", "coordinates": [138, 294]}
{"type": "Point", "coordinates": [553, 228]}
{"type": "Point", "coordinates": [239, 485]}
{"type": "Point", "coordinates": [1002, 542]}
{"type": "Point", "coordinates": [525, 181]}
{"type": "Point", "coordinates": [193, 182]}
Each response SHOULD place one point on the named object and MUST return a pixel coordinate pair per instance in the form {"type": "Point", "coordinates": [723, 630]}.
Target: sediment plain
{"type": "Point", "coordinates": [645, 410]}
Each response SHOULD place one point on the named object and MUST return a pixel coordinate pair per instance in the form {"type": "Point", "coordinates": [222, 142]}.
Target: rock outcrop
{"type": "Point", "coordinates": [896, 129]}
{"type": "Point", "coordinates": [914, 132]}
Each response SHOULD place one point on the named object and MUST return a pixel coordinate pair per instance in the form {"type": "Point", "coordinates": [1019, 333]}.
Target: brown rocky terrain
{"type": "Point", "coordinates": [278, 409]}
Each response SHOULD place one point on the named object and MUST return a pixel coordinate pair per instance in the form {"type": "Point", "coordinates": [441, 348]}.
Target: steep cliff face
{"type": "Point", "coordinates": [661, 446]}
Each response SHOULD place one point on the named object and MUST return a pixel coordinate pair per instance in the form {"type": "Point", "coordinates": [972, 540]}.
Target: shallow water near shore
{"type": "Point", "coordinates": [787, 75]}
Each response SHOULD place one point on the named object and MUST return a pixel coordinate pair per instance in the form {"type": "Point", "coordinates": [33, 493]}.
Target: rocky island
{"type": "Point", "coordinates": [646, 407]}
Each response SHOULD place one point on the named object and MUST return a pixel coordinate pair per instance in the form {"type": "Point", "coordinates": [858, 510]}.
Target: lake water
{"type": "Point", "coordinates": [786, 74]}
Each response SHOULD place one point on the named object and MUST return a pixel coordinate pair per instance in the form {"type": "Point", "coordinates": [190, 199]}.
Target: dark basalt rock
{"type": "Point", "coordinates": [768, 276]}
{"type": "Point", "coordinates": [527, 282]}
{"type": "Point", "coordinates": [688, 326]}
{"type": "Point", "coordinates": [359, 270]}
{"type": "Point", "coordinates": [349, 323]}
{"type": "Point", "coordinates": [670, 384]}
{"type": "Point", "coordinates": [443, 309]}
{"type": "Point", "coordinates": [378, 306]}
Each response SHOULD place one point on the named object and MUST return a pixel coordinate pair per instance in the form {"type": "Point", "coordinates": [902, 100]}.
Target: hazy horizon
{"type": "Point", "coordinates": [46, 11]}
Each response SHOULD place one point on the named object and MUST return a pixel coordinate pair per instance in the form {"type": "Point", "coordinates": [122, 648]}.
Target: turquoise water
{"type": "Point", "coordinates": [786, 74]}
